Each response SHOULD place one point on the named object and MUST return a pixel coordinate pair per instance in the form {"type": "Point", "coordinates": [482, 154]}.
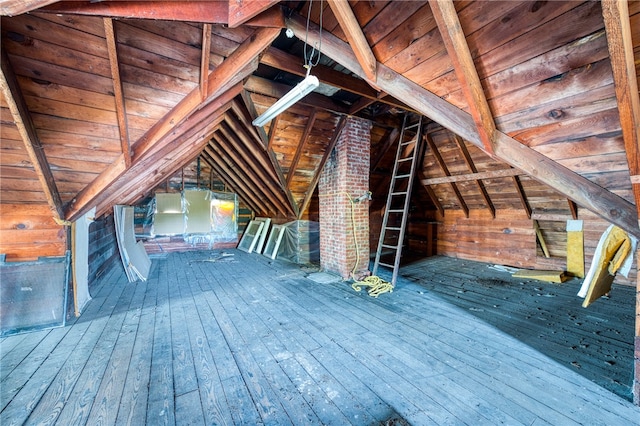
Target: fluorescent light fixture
{"type": "Point", "coordinates": [303, 88]}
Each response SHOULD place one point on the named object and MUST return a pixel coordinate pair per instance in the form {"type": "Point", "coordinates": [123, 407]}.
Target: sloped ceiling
{"type": "Point", "coordinates": [533, 104]}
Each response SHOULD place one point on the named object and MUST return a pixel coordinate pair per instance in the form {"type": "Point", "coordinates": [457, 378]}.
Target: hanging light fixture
{"type": "Point", "coordinates": [303, 88]}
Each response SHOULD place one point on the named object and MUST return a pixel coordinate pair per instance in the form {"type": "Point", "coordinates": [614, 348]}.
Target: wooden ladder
{"type": "Point", "coordinates": [396, 211]}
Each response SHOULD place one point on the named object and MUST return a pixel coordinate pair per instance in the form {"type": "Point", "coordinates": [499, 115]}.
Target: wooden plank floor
{"type": "Point", "coordinates": [244, 340]}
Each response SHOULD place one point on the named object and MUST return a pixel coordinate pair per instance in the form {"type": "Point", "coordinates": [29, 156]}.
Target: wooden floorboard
{"type": "Point", "coordinates": [244, 340]}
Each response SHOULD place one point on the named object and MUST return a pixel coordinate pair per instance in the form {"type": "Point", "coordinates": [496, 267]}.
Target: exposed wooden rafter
{"type": "Point", "coordinates": [18, 7]}
{"type": "Point", "coordinates": [22, 119]}
{"type": "Point", "coordinates": [455, 42]}
{"type": "Point", "coordinates": [118, 93]}
{"type": "Point", "coordinates": [323, 161]}
{"type": "Point", "coordinates": [586, 193]}
{"type": "Point", "coordinates": [389, 139]}
{"type": "Point", "coordinates": [620, 44]}
{"type": "Point", "coordinates": [472, 167]}
{"type": "Point", "coordinates": [303, 140]}
{"type": "Point", "coordinates": [234, 69]}
{"type": "Point", "coordinates": [241, 11]}
{"type": "Point", "coordinates": [204, 60]}
{"type": "Point", "coordinates": [521, 195]}
{"type": "Point", "coordinates": [445, 170]}
{"type": "Point", "coordinates": [355, 36]}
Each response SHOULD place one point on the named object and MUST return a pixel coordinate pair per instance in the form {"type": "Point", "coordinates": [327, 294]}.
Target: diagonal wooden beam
{"type": "Point", "coordinates": [455, 42]}
{"type": "Point", "coordinates": [390, 138]}
{"type": "Point", "coordinates": [26, 128]}
{"type": "Point", "coordinates": [445, 170]}
{"type": "Point", "coordinates": [355, 36]}
{"type": "Point", "coordinates": [620, 44]}
{"type": "Point", "coordinates": [521, 194]}
{"type": "Point", "coordinates": [586, 193]}
{"type": "Point", "coordinates": [234, 69]}
{"type": "Point", "coordinates": [214, 12]}
{"type": "Point", "coordinates": [240, 11]}
{"type": "Point", "coordinates": [118, 93]}
{"type": "Point", "coordinates": [204, 60]}
{"type": "Point", "coordinates": [248, 131]}
{"type": "Point", "coordinates": [316, 176]}
{"type": "Point", "coordinates": [18, 7]}
{"type": "Point", "coordinates": [303, 140]}
{"type": "Point", "coordinates": [472, 167]}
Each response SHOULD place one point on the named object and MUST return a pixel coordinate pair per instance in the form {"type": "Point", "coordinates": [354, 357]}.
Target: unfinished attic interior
{"type": "Point", "coordinates": [172, 254]}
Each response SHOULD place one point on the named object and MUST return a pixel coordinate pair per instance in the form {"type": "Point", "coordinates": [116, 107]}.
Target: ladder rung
{"type": "Point", "coordinates": [393, 228]}
{"type": "Point", "coordinates": [412, 141]}
{"type": "Point", "coordinates": [396, 211]}
{"type": "Point", "coordinates": [388, 246]}
{"type": "Point", "coordinates": [385, 264]}
{"type": "Point", "coordinates": [399, 193]}
{"type": "Point", "coordinates": [403, 176]}
{"type": "Point", "coordinates": [412, 126]}
{"type": "Point", "coordinates": [405, 159]}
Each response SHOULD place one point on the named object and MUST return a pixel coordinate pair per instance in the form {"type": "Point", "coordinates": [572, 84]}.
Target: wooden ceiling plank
{"type": "Point", "coordinates": [355, 36]}
{"type": "Point", "coordinates": [303, 140]}
{"type": "Point", "coordinates": [234, 69]}
{"type": "Point", "coordinates": [521, 195]}
{"type": "Point", "coordinates": [586, 193]}
{"type": "Point", "coordinates": [204, 60]}
{"type": "Point", "coordinates": [445, 170]}
{"type": "Point", "coordinates": [316, 175]}
{"type": "Point", "coordinates": [620, 45]}
{"type": "Point", "coordinates": [472, 167]}
{"type": "Point", "coordinates": [18, 7]}
{"type": "Point", "coordinates": [118, 93]}
{"type": "Point", "coordinates": [22, 119]}
{"type": "Point", "coordinates": [213, 12]}
{"type": "Point", "coordinates": [493, 174]}
{"type": "Point", "coordinates": [241, 11]}
{"type": "Point", "coordinates": [455, 42]}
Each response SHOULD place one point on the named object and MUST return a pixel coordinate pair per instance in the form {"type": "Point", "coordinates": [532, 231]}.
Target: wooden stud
{"type": "Point", "coordinates": [241, 11]}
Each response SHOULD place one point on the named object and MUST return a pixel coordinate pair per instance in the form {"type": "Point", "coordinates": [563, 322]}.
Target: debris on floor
{"type": "Point", "coordinates": [550, 276]}
{"type": "Point", "coordinates": [223, 257]}
{"type": "Point", "coordinates": [324, 277]}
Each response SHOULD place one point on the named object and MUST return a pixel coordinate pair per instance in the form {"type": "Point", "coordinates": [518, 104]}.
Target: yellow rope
{"type": "Point", "coordinates": [376, 285]}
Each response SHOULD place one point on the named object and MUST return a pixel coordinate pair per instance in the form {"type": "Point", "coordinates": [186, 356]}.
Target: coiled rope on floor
{"type": "Point", "coordinates": [376, 285]}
